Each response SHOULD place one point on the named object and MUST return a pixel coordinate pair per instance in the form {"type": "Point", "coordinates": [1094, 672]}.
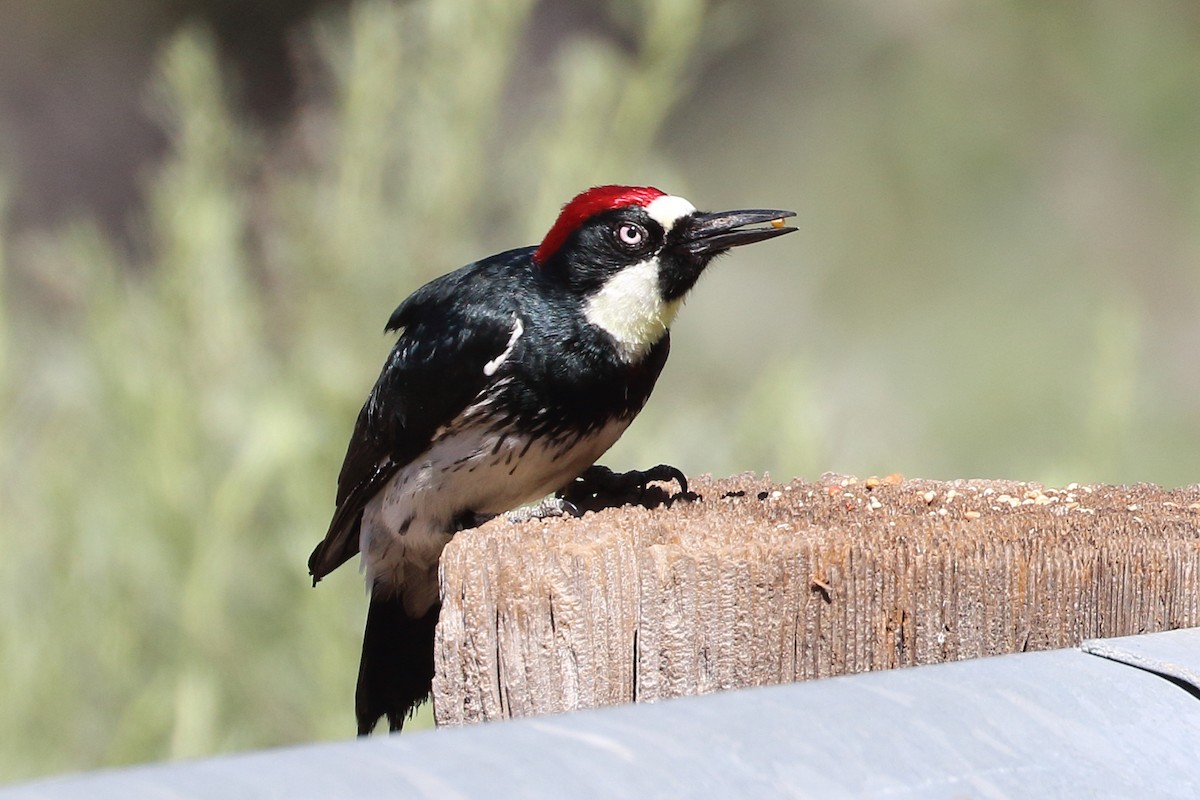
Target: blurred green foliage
{"type": "Point", "coordinates": [173, 423]}
{"type": "Point", "coordinates": [999, 259]}
{"type": "Point", "coordinates": [996, 275]}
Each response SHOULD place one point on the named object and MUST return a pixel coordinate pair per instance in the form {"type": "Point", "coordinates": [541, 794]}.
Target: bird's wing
{"type": "Point", "coordinates": [435, 370]}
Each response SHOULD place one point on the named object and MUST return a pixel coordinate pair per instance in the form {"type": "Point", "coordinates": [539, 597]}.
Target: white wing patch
{"type": "Point", "coordinates": [631, 309]}
{"type": "Point", "coordinates": [490, 367]}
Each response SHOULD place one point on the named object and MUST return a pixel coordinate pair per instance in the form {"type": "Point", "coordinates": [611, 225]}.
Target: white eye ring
{"type": "Point", "coordinates": [631, 235]}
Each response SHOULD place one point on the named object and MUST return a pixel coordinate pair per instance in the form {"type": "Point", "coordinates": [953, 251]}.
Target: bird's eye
{"type": "Point", "coordinates": [631, 235]}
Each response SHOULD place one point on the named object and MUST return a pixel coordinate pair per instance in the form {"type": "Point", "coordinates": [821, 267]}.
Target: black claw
{"type": "Point", "coordinates": [599, 486]}
{"type": "Point", "coordinates": [665, 473]}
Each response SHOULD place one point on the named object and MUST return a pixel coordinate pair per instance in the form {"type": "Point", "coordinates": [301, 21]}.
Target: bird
{"type": "Point", "coordinates": [508, 379]}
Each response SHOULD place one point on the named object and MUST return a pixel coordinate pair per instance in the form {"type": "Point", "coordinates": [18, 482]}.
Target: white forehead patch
{"type": "Point", "coordinates": [631, 309]}
{"type": "Point", "coordinates": [669, 209]}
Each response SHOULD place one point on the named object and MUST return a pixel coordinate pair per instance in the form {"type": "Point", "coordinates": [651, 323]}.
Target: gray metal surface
{"type": "Point", "coordinates": [1175, 654]}
{"type": "Point", "coordinates": [1061, 724]}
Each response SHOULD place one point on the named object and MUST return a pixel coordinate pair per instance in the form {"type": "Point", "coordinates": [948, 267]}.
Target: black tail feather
{"type": "Point", "coordinates": [396, 671]}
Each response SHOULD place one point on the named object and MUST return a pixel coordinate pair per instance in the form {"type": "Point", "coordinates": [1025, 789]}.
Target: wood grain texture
{"type": "Point", "coordinates": [756, 583]}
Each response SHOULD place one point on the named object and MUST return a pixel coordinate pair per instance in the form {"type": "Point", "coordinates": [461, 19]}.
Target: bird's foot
{"type": "Point", "coordinates": [599, 487]}
{"type": "Point", "coordinates": [550, 507]}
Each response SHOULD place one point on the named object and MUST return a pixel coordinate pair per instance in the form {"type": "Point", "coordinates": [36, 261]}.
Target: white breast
{"type": "Point", "coordinates": [470, 467]}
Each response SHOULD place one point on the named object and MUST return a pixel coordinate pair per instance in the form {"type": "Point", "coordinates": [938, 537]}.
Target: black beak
{"type": "Point", "coordinates": [709, 234]}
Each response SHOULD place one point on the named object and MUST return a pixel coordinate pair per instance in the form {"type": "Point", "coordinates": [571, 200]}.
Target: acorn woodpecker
{"type": "Point", "coordinates": [509, 378]}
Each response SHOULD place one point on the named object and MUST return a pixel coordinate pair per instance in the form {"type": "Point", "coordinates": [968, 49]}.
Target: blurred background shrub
{"type": "Point", "coordinates": [208, 210]}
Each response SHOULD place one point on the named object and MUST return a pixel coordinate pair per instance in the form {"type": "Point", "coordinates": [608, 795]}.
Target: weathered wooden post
{"type": "Point", "coordinates": [757, 583]}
